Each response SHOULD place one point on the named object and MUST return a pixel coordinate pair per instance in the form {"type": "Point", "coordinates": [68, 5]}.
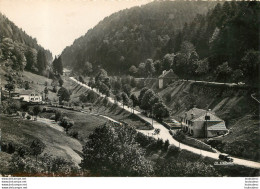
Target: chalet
{"type": "Point", "coordinates": [66, 72]}
{"type": "Point", "coordinates": [166, 77]}
{"type": "Point", "coordinates": [27, 96]}
{"type": "Point", "coordinates": [202, 123]}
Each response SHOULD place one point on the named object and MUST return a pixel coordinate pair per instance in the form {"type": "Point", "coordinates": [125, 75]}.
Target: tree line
{"type": "Point", "coordinates": [20, 51]}
{"type": "Point", "coordinates": [220, 45]}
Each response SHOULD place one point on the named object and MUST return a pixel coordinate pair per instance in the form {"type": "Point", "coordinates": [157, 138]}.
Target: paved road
{"type": "Point", "coordinates": [165, 135]}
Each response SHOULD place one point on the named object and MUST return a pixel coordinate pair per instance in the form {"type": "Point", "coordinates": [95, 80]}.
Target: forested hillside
{"type": "Point", "coordinates": [20, 51]}
{"type": "Point", "coordinates": [221, 46]}
{"type": "Point", "coordinates": [130, 36]}
{"type": "Point", "coordinates": [216, 45]}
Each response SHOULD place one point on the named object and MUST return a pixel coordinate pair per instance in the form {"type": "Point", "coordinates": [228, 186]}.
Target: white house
{"type": "Point", "coordinates": [166, 77]}
{"type": "Point", "coordinates": [202, 123]}
{"type": "Point", "coordinates": [28, 96]}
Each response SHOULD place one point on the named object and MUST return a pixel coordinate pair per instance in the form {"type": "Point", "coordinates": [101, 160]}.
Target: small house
{"type": "Point", "coordinates": [166, 78]}
{"type": "Point", "coordinates": [202, 123]}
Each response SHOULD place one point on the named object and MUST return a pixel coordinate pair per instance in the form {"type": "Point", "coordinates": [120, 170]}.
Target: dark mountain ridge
{"type": "Point", "coordinates": [130, 36]}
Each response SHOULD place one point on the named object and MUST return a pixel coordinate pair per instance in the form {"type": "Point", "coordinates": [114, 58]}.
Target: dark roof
{"type": "Point", "coordinates": [216, 126]}
{"type": "Point", "coordinates": [168, 73]}
{"type": "Point", "coordinates": [196, 113]}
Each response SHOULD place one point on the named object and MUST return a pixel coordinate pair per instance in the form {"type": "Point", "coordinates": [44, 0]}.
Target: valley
{"type": "Point", "coordinates": [164, 89]}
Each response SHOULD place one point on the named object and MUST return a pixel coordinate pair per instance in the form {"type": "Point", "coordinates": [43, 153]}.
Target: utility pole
{"type": "Point", "coordinates": [152, 117]}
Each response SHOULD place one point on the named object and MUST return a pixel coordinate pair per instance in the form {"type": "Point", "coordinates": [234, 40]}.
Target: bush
{"type": "Point", "coordinates": [58, 116]}
{"type": "Point", "coordinates": [8, 147]}
{"type": "Point", "coordinates": [28, 117]}
{"type": "Point", "coordinates": [13, 106]}
{"type": "Point", "coordinates": [173, 151]}
{"type": "Point", "coordinates": [74, 134]}
{"type": "Point", "coordinates": [54, 89]}
{"type": "Point", "coordinates": [23, 114]}
{"type": "Point", "coordinates": [66, 123]}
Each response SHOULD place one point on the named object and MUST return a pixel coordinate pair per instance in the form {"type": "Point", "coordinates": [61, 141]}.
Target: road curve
{"type": "Point", "coordinates": [165, 135]}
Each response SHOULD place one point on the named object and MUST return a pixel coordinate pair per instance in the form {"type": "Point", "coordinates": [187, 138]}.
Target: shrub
{"type": "Point", "coordinates": [28, 117]}
{"type": "Point", "coordinates": [58, 116]}
{"type": "Point", "coordinates": [13, 106]}
{"type": "Point", "coordinates": [23, 114]}
{"type": "Point", "coordinates": [173, 151]}
{"type": "Point", "coordinates": [74, 134]}
{"type": "Point", "coordinates": [37, 147]}
{"type": "Point", "coordinates": [66, 124]}
{"type": "Point", "coordinates": [8, 147]}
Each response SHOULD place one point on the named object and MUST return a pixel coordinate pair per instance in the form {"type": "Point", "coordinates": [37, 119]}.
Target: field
{"type": "Point", "coordinates": [84, 123]}
{"type": "Point", "coordinates": [37, 83]}
{"type": "Point", "coordinates": [21, 133]}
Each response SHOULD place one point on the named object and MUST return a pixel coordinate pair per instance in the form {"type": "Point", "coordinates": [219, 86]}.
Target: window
{"type": "Point", "coordinates": [32, 94]}
{"type": "Point", "coordinates": [32, 98]}
{"type": "Point", "coordinates": [36, 98]}
{"type": "Point", "coordinates": [207, 117]}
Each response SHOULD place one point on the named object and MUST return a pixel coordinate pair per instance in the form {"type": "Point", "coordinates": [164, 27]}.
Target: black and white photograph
{"type": "Point", "coordinates": [131, 88]}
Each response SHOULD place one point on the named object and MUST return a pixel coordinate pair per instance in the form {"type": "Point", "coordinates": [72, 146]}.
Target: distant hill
{"type": "Point", "coordinates": [198, 40]}
{"type": "Point", "coordinates": [20, 51]}
{"type": "Point", "coordinates": [130, 36]}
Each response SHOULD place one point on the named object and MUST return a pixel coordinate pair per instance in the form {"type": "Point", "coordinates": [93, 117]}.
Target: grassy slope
{"type": "Point", "coordinates": [39, 83]}
{"type": "Point", "coordinates": [99, 107]}
{"type": "Point", "coordinates": [83, 123]}
{"type": "Point", "coordinates": [23, 132]}
{"type": "Point", "coordinates": [36, 82]}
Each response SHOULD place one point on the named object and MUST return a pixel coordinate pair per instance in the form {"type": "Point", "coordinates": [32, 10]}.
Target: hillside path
{"type": "Point", "coordinates": [165, 135]}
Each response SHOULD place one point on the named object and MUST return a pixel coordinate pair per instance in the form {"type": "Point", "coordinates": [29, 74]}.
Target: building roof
{"type": "Point", "coordinates": [216, 126]}
{"type": "Point", "coordinates": [168, 73]}
{"type": "Point", "coordinates": [196, 114]}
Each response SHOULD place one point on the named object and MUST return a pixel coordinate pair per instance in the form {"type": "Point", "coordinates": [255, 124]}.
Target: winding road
{"type": "Point", "coordinates": [165, 135]}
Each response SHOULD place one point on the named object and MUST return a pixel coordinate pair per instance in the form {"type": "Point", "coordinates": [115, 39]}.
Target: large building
{"type": "Point", "coordinates": [166, 78]}
{"type": "Point", "coordinates": [27, 96]}
{"type": "Point", "coordinates": [201, 123]}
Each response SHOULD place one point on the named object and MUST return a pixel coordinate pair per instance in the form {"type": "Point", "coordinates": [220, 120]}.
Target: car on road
{"type": "Point", "coordinates": [241, 83]}
{"type": "Point", "coordinates": [225, 157]}
{"type": "Point", "coordinates": [175, 122]}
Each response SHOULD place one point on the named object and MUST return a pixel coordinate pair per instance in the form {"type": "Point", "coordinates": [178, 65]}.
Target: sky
{"type": "Point", "coordinates": [57, 23]}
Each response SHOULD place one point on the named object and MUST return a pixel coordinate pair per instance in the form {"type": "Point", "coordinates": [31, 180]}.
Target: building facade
{"type": "Point", "coordinates": [166, 78]}
{"type": "Point", "coordinates": [28, 96]}
{"type": "Point", "coordinates": [201, 123]}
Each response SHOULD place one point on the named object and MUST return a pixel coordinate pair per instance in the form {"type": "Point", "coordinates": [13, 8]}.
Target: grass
{"type": "Point", "coordinates": [84, 123]}
{"type": "Point", "coordinates": [108, 109]}
{"type": "Point", "coordinates": [22, 132]}
{"type": "Point", "coordinates": [37, 83]}
{"type": "Point", "coordinates": [119, 114]}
